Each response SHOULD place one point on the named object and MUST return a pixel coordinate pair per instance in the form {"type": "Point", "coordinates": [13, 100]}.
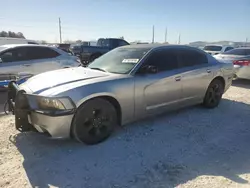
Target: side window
{"type": "Point", "coordinates": [190, 58]}
{"type": "Point", "coordinates": [228, 48]}
{"type": "Point", "coordinates": [41, 53]}
{"type": "Point", "coordinates": [13, 55]}
{"type": "Point", "coordinates": [8, 56]}
{"type": "Point", "coordinates": [163, 60]}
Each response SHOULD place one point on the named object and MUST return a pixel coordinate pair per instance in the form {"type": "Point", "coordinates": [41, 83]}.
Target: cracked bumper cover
{"type": "Point", "coordinates": [27, 119]}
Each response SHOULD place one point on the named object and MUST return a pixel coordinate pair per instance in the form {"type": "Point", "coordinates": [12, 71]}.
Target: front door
{"type": "Point", "coordinates": [160, 90]}
{"type": "Point", "coordinates": [11, 63]}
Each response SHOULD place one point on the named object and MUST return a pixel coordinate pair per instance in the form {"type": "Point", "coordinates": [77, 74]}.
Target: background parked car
{"type": "Point", "coordinates": [8, 40]}
{"type": "Point", "coordinates": [89, 53]}
{"type": "Point", "coordinates": [240, 57]}
{"type": "Point", "coordinates": [32, 59]}
{"type": "Point", "coordinates": [216, 49]}
{"type": "Point", "coordinates": [20, 78]}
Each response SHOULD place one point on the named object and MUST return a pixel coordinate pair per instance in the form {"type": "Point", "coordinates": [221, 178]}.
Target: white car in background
{"type": "Point", "coordinates": [216, 49]}
{"type": "Point", "coordinates": [10, 40]}
{"type": "Point", "coordinates": [31, 59]}
{"type": "Point", "coordinates": [240, 57]}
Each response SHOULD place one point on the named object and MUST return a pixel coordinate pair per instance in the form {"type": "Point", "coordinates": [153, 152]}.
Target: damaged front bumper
{"type": "Point", "coordinates": [57, 125]}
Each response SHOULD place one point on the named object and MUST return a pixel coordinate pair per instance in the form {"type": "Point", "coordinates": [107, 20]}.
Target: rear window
{"type": "Point", "coordinates": [103, 42]}
{"type": "Point", "coordinates": [213, 48]}
{"type": "Point", "coordinates": [238, 52]}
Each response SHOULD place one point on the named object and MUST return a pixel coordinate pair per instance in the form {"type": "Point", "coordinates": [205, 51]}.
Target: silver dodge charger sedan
{"type": "Point", "coordinates": [124, 85]}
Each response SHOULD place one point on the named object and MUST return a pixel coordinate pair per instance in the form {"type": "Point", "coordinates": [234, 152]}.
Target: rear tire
{"type": "Point", "coordinates": [94, 121]}
{"type": "Point", "coordinates": [93, 57]}
{"type": "Point", "coordinates": [214, 94]}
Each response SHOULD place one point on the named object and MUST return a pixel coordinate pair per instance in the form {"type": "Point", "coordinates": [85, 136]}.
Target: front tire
{"type": "Point", "coordinates": [94, 121]}
{"type": "Point", "coordinates": [214, 94]}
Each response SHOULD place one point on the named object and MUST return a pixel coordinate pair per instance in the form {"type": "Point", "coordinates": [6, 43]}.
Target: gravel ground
{"type": "Point", "coordinates": [193, 147]}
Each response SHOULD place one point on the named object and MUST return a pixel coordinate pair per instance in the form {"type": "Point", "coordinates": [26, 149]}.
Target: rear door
{"type": "Point", "coordinates": [43, 59]}
{"type": "Point", "coordinates": [196, 74]}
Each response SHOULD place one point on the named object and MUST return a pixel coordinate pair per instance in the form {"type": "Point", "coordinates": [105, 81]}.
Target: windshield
{"type": "Point", "coordinates": [238, 52]}
{"type": "Point", "coordinates": [119, 60]}
{"type": "Point", "coordinates": [213, 48]}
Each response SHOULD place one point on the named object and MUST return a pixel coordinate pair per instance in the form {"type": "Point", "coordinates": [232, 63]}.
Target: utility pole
{"type": "Point", "coordinates": [60, 32]}
{"type": "Point", "coordinates": [246, 41]}
{"type": "Point", "coordinates": [153, 37]}
{"type": "Point", "coordinates": [179, 40]}
{"type": "Point", "coordinates": [166, 34]}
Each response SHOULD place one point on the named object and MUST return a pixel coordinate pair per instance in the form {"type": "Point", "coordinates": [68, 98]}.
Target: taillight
{"type": "Point", "coordinates": [242, 62]}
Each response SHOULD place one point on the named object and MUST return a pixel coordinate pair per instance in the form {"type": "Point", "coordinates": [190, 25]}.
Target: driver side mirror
{"type": "Point", "coordinates": [148, 69]}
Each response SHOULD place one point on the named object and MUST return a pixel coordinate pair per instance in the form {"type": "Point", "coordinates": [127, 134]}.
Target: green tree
{"type": "Point", "coordinates": [11, 34]}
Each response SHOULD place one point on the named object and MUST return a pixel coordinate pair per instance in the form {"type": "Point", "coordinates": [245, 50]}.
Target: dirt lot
{"type": "Point", "coordinates": [194, 147]}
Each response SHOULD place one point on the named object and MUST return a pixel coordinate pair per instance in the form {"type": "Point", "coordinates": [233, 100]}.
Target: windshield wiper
{"type": "Point", "coordinates": [95, 68]}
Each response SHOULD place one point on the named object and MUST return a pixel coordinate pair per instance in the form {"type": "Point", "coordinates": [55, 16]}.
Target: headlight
{"type": "Point", "coordinates": [50, 103]}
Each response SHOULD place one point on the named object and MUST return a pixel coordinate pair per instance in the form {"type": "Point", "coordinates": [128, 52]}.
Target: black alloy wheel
{"type": "Point", "coordinates": [214, 94]}
{"type": "Point", "coordinates": [94, 121]}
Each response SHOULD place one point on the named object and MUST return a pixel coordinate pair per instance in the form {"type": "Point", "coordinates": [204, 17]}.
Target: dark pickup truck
{"type": "Point", "coordinates": [89, 53]}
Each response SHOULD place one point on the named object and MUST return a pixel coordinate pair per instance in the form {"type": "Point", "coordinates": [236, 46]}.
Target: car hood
{"type": "Point", "coordinates": [60, 77]}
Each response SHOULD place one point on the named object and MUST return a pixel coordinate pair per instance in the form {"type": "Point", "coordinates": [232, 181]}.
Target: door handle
{"type": "Point", "coordinates": [178, 78]}
{"type": "Point", "coordinates": [208, 71]}
{"type": "Point", "coordinates": [26, 65]}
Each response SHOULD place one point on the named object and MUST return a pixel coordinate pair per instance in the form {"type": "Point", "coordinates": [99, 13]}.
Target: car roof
{"type": "Point", "coordinates": [21, 45]}
{"type": "Point", "coordinates": [243, 48]}
{"type": "Point", "coordinates": [8, 46]}
{"type": "Point", "coordinates": [219, 45]}
{"type": "Point", "coordinates": [153, 46]}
